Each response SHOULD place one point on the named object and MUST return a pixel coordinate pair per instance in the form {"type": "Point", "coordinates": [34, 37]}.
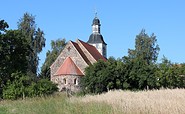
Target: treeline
{"type": "Point", "coordinates": [137, 71]}
{"type": "Point", "coordinates": [19, 60]}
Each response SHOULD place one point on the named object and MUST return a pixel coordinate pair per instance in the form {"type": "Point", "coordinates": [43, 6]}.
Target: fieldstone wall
{"type": "Point", "coordinates": [70, 82]}
{"type": "Point", "coordinates": [69, 51]}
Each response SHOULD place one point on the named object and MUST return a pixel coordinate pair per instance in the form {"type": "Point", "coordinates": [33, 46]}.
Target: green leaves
{"type": "Point", "coordinates": [146, 48]}
{"type": "Point", "coordinates": [35, 38]}
{"type": "Point", "coordinates": [23, 86]}
{"type": "Point", "coordinates": [103, 76]}
{"type": "Point", "coordinates": [3, 25]}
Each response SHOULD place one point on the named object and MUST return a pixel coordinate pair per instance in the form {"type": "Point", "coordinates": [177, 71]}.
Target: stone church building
{"type": "Point", "coordinates": [69, 67]}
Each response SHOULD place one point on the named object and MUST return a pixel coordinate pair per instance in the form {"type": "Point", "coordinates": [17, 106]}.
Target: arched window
{"type": "Point", "coordinates": [64, 81]}
{"type": "Point", "coordinates": [56, 80]}
{"type": "Point", "coordinates": [75, 81]}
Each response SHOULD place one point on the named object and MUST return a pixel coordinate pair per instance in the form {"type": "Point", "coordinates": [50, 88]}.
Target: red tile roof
{"type": "Point", "coordinates": [93, 51]}
{"type": "Point", "coordinates": [68, 68]}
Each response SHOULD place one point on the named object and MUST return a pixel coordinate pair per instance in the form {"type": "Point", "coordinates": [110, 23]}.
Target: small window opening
{"type": "Point", "coordinates": [64, 80]}
{"type": "Point", "coordinates": [75, 81]}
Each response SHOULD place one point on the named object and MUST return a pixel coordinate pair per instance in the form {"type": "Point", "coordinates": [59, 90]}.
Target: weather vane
{"type": "Point", "coordinates": [95, 12]}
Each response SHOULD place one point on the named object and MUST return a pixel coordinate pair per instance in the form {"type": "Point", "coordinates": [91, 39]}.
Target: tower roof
{"type": "Point", "coordinates": [69, 68]}
{"type": "Point", "coordinates": [96, 21]}
{"type": "Point", "coordinates": [96, 38]}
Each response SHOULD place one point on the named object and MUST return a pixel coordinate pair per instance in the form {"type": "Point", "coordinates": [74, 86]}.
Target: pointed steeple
{"type": "Point", "coordinates": [96, 39]}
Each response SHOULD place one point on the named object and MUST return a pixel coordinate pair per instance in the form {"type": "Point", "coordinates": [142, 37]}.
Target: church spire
{"type": "Point", "coordinates": [96, 13]}
{"type": "Point", "coordinates": [96, 39]}
{"type": "Point", "coordinates": [96, 25]}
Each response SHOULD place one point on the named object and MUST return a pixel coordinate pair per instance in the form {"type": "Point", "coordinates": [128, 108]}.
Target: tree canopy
{"type": "Point", "coordinates": [137, 71]}
{"type": "Point", "coordinates": [16, 49]}
{"type": "Point", "coordinates": [35, 38]}
{"type": "Point", "coordinates": [146, 48]}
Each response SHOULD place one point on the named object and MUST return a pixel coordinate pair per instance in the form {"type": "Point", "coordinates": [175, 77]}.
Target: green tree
{"type": "Point", "coordinates": [170, 75]}
{"type": "Point", "coordinates": [146, 48]}
{"type": "Point", "coordinates": [3, 26]}
{"type": "Point", "coordinates": [141, 76]}
{"type": "Point", "coordinates": [35, 38]}
{"type": "Point", "coordinates": [56, 48]}
{"type": "Point", "coordinates": [16, 88]}
{"type": "Point", "coordinates": [13, 55]}
{"type": "Point", "coordinates": [95, 78]}
{"type": "Point", "coordinates": [141, 62]}
{"type": "Point", "coordinates": [23, 86]}
{"type": "Point", "coordinates": [103, 76]}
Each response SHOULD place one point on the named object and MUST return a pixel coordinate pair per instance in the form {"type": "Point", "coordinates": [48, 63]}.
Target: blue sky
{"type": "Point", "coordinates": [121, 21]}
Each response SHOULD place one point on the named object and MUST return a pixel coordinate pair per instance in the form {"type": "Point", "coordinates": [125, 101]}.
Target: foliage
{"type": "Point", "coordinates": [103, 76]}
{"type": "Point", "coordinates": [23, 86]}
{"type": "Point", "coordinates": [94, 80]}
{"type": "Point", "coordinates": [3, 25]}
{"type": "Point", "coordinates": [171, 75]}
{"type": "Point", "coordinates": [137, 71]}
{"type": "Point", "coordinates": [56, 48]}
{"type": "Point", "coordinates": [16, 88]}
{"type": "Point", "coordinates": [13, 55]}
{"type": "Point", "coordinates": [15, 50]}
{"type": "Point", "coordinates": [139, 75]}
{"type": "Point", "coordinates": [35, 38]}
{"type": "Point", "coordinates": [42, 87]}
{"type": "Point", "coordinates": [146, 48]}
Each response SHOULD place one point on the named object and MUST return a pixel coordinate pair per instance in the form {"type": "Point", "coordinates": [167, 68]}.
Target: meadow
{"type": "Point", "coordinates": [164, 101]}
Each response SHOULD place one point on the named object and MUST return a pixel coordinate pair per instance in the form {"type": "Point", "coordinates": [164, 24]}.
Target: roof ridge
{"type": "Point", "coordinates": [80, 52]}
{"type": "Point", "coordinates": [95, 54]}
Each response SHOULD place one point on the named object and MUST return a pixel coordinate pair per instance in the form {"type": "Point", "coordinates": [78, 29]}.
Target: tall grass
{"type": "Point", "coordinates": [57, 104]}
{"type": "Point", "coordinates": [143, 102]}
{"type": "Point", "coordinates": [113, 102]}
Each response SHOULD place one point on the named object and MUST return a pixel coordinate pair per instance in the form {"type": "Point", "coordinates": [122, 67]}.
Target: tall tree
{"type": "Point", "coordinates": [13, 53]}
{"type": "Point", "coordinates": [56, 47]}
{"type": "Point", "coordinates": [35, 38]}
{"type": "Point", "coordinates": [146, 48]}
{"type": "Point", "coordinates": [140, 61]}
{"type": "Point", "coordinates": [3, 26]}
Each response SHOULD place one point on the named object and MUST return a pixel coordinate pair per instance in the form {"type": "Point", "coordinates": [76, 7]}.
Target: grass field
{"type": "Point", "coordinates": [113, 102]}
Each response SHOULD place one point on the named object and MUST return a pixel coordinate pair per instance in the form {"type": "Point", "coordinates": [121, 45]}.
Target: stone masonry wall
{"type": "Point", "coordinates": [68, 51]}
{"type": "Point", "coordinates": [70, 82]}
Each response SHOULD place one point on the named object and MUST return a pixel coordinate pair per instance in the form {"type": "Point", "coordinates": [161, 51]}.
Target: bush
{"type": "Point", "coordinates": [22, 86]}
{"type": "Point", "coordinates": [42, 88]}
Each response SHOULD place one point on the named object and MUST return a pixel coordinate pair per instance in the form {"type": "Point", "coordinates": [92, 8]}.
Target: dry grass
{"type": "Point", "coordinates": [113, 102]}
{"type": "Point", "coordinates": [169, 101]}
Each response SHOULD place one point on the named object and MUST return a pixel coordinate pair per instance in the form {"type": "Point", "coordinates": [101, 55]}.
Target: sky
{"type": "Point", "coordinates": [121, 21]}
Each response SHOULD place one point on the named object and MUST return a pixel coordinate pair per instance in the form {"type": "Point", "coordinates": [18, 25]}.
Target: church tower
{"type": "Point", "coordinates": [96, 39]}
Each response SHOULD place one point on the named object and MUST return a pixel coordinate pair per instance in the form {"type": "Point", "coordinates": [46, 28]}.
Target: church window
{"type": "Point", "coordinates": [64, 81]}
{"type": "Point", "coordinates": [75, 81]}
{"type": "Point", "coordinates": [57, 80]}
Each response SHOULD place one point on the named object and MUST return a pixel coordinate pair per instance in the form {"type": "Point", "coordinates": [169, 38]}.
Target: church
{"type": "Point", "coordinates": [69, 67]}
